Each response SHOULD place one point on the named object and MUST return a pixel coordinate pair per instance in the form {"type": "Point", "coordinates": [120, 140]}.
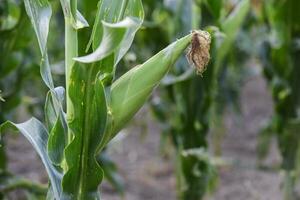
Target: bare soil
{"type": "Point", "coordinates": [149, 176]}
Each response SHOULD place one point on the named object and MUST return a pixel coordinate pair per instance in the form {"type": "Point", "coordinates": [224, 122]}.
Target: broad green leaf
{"type": "Point", "coordinates": [37, 135]}
{"type": "Point", "coordinates": [131, 90]}
{"type": "Point", "coordinates": [39, 12]}
{"type": "Point", "coordinates": [87, 127]}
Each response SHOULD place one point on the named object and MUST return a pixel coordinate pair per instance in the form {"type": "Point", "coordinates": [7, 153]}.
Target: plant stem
{"type": "Point", "coordinates": [71, 51]}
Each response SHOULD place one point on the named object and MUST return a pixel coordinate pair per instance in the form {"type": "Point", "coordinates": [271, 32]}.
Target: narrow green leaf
{"type": "Point", "coordinates": [39, 12]}
{"type": "Point", "coordinates": [37, 135]}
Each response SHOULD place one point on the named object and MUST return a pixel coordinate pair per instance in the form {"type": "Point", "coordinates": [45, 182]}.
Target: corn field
{"type": "Point", "coordinates": [152, 100]}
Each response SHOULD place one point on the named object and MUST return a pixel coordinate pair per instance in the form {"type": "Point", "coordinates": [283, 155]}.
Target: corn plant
{"type": "Point", "coordinates": [186, 103]}
{"type": "Point", "coordinates": [280, 57]}
{"type": "Point", "coordinates": [97, 104]}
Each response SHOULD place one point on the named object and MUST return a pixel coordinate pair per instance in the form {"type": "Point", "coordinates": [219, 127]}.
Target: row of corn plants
{"type": "Point", "coordinates": [81, 119]}
{"type": "Point", "coordinates": [186, 103]}
{"type": "Point", "coordinates": [17, 66]}
{"type": "Point", "coordinates": [279, 53]}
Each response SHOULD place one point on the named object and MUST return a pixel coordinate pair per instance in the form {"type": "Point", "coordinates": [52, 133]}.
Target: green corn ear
{"type": "Point", "coordinates": [130, 91]}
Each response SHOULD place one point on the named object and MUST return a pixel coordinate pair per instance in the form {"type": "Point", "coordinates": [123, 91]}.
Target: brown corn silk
{"type": "Point", "coordinates": [198, 54]}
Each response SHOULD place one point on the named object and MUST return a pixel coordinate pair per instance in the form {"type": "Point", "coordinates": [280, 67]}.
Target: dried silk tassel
{"type": "Point", "coordinates": [198, 54]}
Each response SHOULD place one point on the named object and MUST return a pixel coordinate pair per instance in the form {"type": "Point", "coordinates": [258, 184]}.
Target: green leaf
{"type": "Point", "coordinates": [109, 11]}
{"type": "Point", "coordinates": [87, 127]}
{"type": "Point", "coordinates": [230, 27]}
{"type": "Point", "coordinates": [37, 135]}
{"type": "Point", "coordinates": [131, 90]}
{"type": "Point", "coordinates": [215, 6]}
{"type": "Point", "coordinates": [77, 20]}
{"type": "Point", "coordinates": [110, 37]}
{"type": "Point", "coordinates": [39, 12]}
{"type": "Point", "coordinates": [56, 124]}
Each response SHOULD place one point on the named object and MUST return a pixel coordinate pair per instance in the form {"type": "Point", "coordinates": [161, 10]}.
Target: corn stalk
{"type": "Point", "coordinates": [280, 55]}
{"type": "Point", "coordinates": [97, 104]}
{"type": "Point", "coordinates": [189, 101]}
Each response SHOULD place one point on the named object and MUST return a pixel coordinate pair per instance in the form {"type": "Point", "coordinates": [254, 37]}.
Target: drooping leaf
{"type": "Point", "coordinates": [37, 135]}
{"type": "Point", "coordinates": [109, 11]}
{"type": "Point", "coordinates": [110, 36]}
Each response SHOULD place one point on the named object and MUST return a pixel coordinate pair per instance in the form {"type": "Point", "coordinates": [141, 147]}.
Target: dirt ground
{"type": "Point", "coordinates": [148, 176]}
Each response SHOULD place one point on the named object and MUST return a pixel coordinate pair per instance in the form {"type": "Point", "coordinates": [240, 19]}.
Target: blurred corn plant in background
{"type": "Point", "coordinates": [97, 104]}
{"type": "Point", "coordinates": [18, 65]}
{"type": "Point", "coordinates": [186, 103]}
{"type": "Point", "coordinates": [280, 53]}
